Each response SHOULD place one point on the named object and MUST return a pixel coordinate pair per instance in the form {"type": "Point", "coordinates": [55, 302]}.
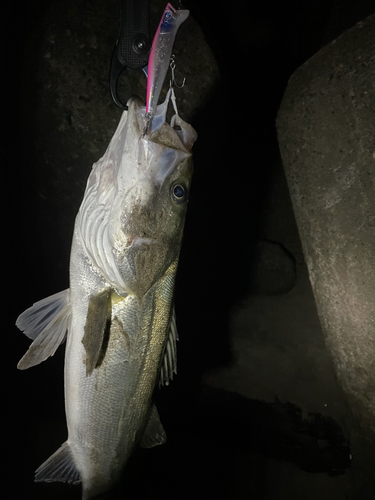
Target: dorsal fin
{"type": "Point", "coordinates": [47, 322]}
{"type": "Point", "coordinates": [34, 320]}
{"type": "Point", "coordinates": [59, 467]}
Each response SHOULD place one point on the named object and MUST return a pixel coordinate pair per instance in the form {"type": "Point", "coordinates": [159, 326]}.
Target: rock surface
{"type": "Point", "coordinates": [326, 131]}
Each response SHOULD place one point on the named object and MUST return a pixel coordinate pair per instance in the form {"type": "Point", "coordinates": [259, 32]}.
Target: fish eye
{"type": "Point", "coordinates": [178, 194]}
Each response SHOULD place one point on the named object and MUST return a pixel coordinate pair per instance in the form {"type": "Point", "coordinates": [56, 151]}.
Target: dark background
{"type": "Point", "coordinates": [257, 48]}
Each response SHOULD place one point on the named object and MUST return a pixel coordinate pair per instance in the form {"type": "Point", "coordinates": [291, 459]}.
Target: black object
{"type": "Point", "coordinates": [132, 48]}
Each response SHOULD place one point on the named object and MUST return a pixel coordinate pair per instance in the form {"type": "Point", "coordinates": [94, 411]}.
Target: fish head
{"type": "Point", "coordinates": [148, 213]}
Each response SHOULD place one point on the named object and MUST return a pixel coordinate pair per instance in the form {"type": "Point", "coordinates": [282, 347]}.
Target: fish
{"type": "Point", "coordinates": [118, 315]}
{"type": "Point", "coordinates": [160, 54]}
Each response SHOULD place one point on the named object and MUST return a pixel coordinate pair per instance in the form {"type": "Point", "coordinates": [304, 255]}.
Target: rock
{"type": "Point", "coordinates": [326, 130]}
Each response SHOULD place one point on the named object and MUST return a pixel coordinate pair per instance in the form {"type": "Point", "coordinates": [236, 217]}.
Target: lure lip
{"type": "Point", "coordinates": [160, 54]}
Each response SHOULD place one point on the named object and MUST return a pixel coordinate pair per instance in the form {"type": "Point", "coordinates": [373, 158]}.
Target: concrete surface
{"type": "Point", "coordinates": [326, 133]}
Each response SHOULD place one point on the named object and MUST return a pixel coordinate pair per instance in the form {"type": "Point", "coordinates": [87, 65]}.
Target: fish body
{"type": "Point", "coordinates": [160, 54]}
{"type": "Point", "coordinates": [118, 310]}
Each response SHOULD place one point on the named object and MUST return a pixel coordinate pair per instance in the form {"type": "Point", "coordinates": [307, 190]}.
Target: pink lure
{"type": "Point", "coordinates": [160, 54]}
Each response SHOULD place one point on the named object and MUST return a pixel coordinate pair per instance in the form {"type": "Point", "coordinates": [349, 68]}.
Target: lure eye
{"type": "Point", "coordinates": [167, 24]}
{"type": "Point", "coordinates": [178, 194]}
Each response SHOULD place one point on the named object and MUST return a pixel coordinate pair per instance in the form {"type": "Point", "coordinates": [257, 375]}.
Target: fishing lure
{"type": "Point", "coordinates": [160, 55]}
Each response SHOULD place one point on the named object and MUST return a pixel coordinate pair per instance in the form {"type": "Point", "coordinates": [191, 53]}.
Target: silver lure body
{"type": "Point", "coordinates": [119, 308]}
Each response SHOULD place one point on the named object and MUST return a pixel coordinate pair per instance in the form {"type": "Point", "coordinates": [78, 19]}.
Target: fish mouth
{"type": "Point", "coordinates": [177, 134]}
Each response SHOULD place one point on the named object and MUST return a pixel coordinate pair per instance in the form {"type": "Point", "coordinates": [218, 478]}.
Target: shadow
{"type": "Point", "coordinates": [221, 445]}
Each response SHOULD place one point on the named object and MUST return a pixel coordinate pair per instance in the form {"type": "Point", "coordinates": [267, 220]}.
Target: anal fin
{"type": "Point", "coordinates": [58, 467]}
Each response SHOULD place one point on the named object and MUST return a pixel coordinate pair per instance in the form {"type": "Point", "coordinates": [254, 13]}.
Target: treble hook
{"type": "Point", "coordinates": [173, 82]}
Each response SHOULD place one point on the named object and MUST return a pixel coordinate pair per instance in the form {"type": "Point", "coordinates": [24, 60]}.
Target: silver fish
{"type": "Point", "coordinates": [118, 312]}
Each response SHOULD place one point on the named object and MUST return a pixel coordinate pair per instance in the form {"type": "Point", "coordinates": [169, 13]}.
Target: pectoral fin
{"type": "Point", "coordinates": [169, 366]}
{"type": "Point", "coordinates": [47, 322]}
{"type": "Point", "coordinates": [59, 467]}
{"type": "Point", "coordinates": [97, 323]}
{"type": "Point", "coordinates": [154, 434]}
